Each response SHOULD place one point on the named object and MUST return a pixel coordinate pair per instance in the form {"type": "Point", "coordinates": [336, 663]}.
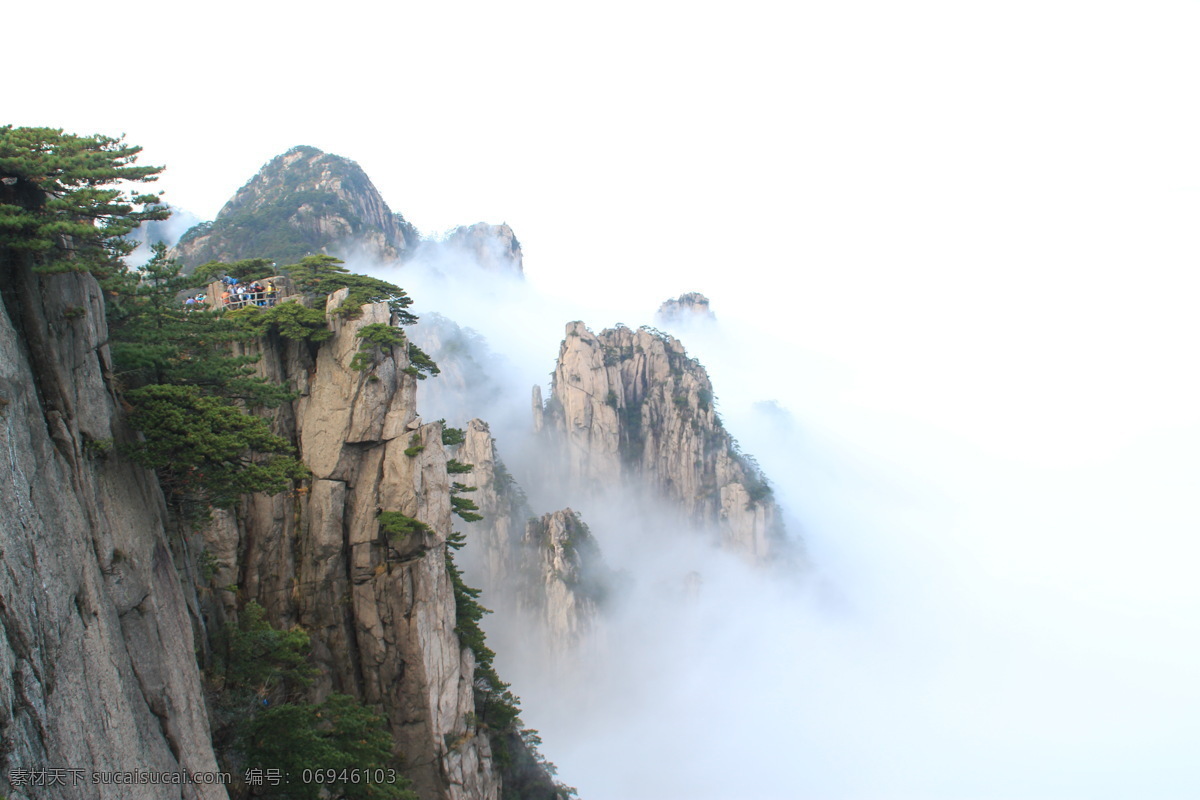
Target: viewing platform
{"type": "Point", "coordinates": [267, 292]}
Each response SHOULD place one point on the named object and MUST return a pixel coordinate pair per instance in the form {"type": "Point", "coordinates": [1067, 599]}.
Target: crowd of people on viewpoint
{"type": "Point", "coordinates": [240, 295]}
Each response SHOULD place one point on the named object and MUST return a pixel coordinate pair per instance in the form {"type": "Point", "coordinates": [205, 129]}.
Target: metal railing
{"type": "Point", "coordinates": [242, 299]}
{"type": "Point", "coordinates": [215, 295]}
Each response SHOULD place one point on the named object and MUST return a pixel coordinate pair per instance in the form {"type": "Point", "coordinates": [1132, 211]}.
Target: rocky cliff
{"type": "Point", "coordinates": [493, 247]}
{"type": "Point", "coordinates": [630, 408]}
{"type": "Point", "coordinates": [304, 201]}
{"type": "Point", "coordinates": [96, 641]}
{"type": "Point", "coordinates": [101, 617]}
{"type": "Point", "coordinates": [380, 609]}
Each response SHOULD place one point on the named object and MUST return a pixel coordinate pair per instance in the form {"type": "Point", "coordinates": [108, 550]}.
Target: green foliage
{"type": "Point", "coordinates": [375, 337]}
{"type": "Point", "coordinates": [63, 198]}
{"type": "Point", "coordinates": [414, 446]}
{"type": "Point", "coordinates": [381, 335]}
{"type": "Point", "coordinates": [290, 320]}
{"type": "Point", "coordinates": [526, 774]}
{"type": "Point", "coordinates": [269, 230]}
{"type": "Point", "coordinates": [633, 438]}
{"type": "Point", "coordinates": [614, 355]}
{"type": "Point", "coordinates": [611, 398]}
{"type": "Point", "coordinates": [209, 565]}
{"type": "Point", "coordinates": [196, 231]}
{"type": "Point", "coordinates": [339, 738]}
{"type": "Point", "coordinates": [395, 525]}
{"type": "Point", "coordinates": [320, 275]}
{"type": "Point", "coordinates": [97, 448]}
{"type": "Point", "coordinates": [465, 508]}
{"type": "Point", "coordinates": [756, 483]}
{"type": "Point", "coordinates": [495, 706]}
{"type": "Point", "coordinates": [261, 723]}
{"type": "Point", "coordinates": [456, 467]}
{"type": "Point", "coordinates": [282, 223]}
{"type": "Point", "coordinates": [257, 658]}
{"type": "Point", "coordinates": [208, 445]}
{"type": "Point", "coordinates": [509, 491]}
{"type": "Point", "coordinates": [246, 271]}
{"type": "Point", "coordinates": [155, 339]}
{"type": "Point", "coordinates": [452, 436]}
{"type": "Point", "coordinates": [420, 364]}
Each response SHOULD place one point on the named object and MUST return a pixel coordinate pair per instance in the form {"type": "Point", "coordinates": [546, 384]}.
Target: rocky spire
{"type": "Point", "coordinates": [685, 308]}
{"type": "Point", "coordinates": [630, 407]}
{"type": "Point", "coordinates": [493, 247]}
{"type": "Point", "coordinates": [568, 578]}
{"type": "Point", "coordinates": [547, 570]}
{"type": "Point", "coordinates": [379, 606]}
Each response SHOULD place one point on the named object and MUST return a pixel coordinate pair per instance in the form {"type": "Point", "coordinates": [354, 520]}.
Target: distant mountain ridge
{"type": "Point", "coordinates": [304, 201]}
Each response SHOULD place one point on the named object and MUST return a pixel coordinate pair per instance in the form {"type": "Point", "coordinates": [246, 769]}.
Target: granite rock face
{"type": "Point", "coordinates": [630, 408]}
{"type": "Point", "coordinates": [569, 580]}
{"type": "Point", "coordinates": [304, 201]}
{"type": "Point", "coordinates": [96, 638]}
{"type": "Point", "coordinates": [380, 610]}
{"type": "Point", "coordinates": [496, 539]}
{"type": "Point", "coordinates": [545, 571]}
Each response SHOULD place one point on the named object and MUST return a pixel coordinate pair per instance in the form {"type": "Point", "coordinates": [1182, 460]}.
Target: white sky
{"type": "Point", "coordinates": [870, 146]}
{"type": "Point", "coordinates": [977, 221]}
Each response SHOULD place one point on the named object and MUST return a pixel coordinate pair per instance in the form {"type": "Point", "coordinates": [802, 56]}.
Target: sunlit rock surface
{"type": "Point", "coordinates": [380, 611]}
{"type": "Point", "coordinates": [629, 407]}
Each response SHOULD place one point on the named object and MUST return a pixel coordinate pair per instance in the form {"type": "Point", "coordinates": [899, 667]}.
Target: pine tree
{"type": "Point", "coordinates": [189, 393]}
{"type": "Point", "coordinates": [321, 275]}
{"type": "Point", "coordinates": [158, 339]}
{"type": "Point", "coordinates": [62, 198]}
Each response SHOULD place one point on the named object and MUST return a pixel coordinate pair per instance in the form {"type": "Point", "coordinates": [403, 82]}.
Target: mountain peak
{"type": "Point", "coordinates": [494, 247]}
{"type": "Point", "coordinates": [686, 307]}
{"type": "Point", "coordinates": [302, 201]}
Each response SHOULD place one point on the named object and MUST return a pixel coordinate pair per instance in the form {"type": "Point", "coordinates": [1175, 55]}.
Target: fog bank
{"type": "Point", "coordinates": [1001, 601]}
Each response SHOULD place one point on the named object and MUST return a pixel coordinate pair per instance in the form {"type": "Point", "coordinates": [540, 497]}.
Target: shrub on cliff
{"type": "Point", "coordinates": [289, 320]}
{"type": "Point", "coordinates": [321, 275]}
